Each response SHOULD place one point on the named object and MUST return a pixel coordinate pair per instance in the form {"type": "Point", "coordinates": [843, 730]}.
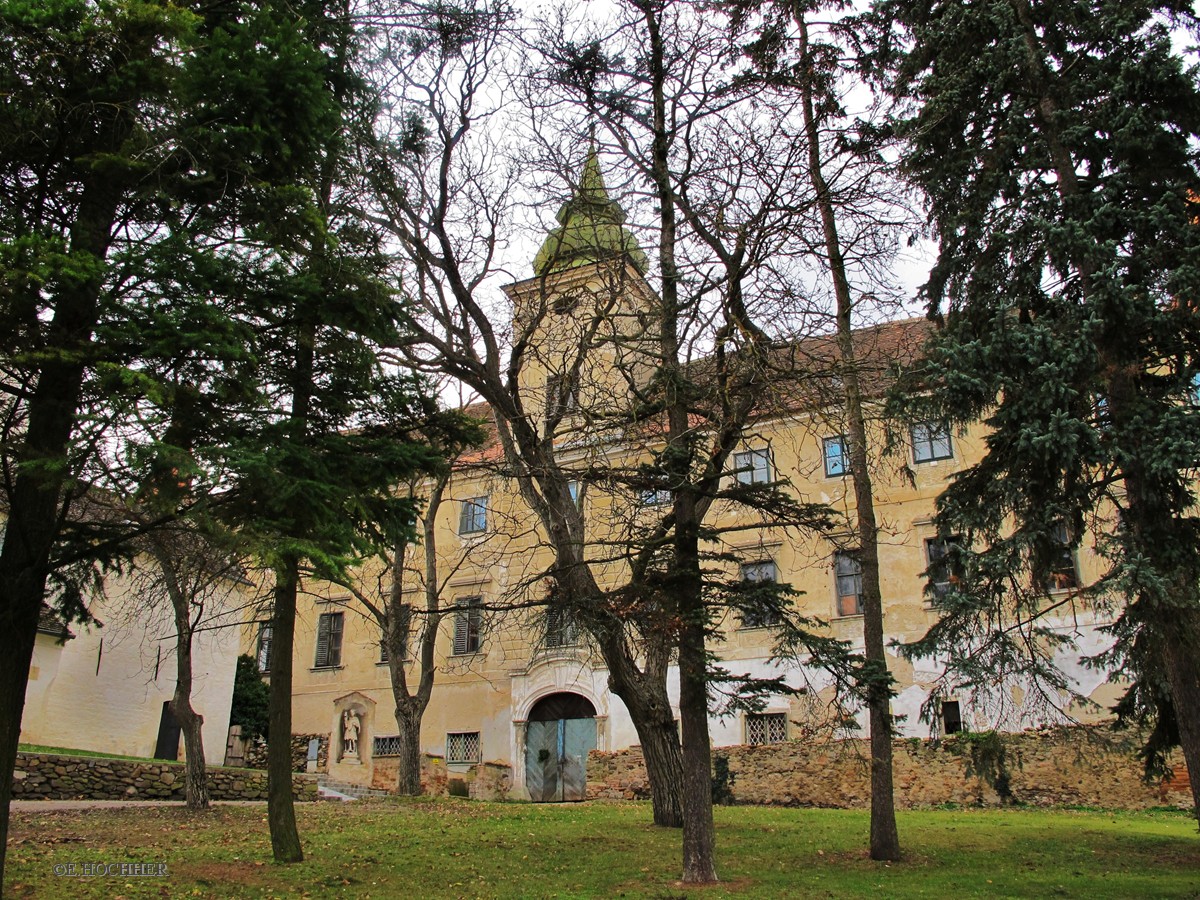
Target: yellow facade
{"type": "Point", "coordinates": [493, 670]}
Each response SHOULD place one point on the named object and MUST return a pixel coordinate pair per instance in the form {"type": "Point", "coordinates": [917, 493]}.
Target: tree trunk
{"type": "Point", "coordinates": [664, 769]}
{"type": "Point", "coordinates": [408, 721]}
{"type": "Point", "coordinates": [281, 812]}
{"type": "Point", "coordinates": [699, 831]}
{"type": "Point", "coordinates": [1180, 651]}
{"type": "Point", "coordinates": [195, 772]}
{"type": "Point", "coordinates": [16, 653]}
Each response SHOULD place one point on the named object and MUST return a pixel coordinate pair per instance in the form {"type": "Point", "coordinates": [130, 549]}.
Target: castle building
{"type": "Point", "coordinates": [523, 687]}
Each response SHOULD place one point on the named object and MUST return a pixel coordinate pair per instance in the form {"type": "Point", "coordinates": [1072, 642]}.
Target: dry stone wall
{"type": "Point", "coordinates": [1052, 767]}
{"type": "Point", "coordinates": [256, 753]}
{"type": "Point", "coordinates": [482, 781]}
{"type": "Point", "coordinates": [44, 776]}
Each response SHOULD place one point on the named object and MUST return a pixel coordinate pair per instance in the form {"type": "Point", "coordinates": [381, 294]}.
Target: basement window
{"type": "Point", "coordinates": [766, 728]}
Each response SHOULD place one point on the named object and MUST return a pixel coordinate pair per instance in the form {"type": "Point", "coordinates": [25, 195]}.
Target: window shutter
{"type": "Point", "coordinates": [335, 639]}
{"type": "Point", "coordinates": [322, 642]}
{"type": "Point", "coordinates": [461, 630]}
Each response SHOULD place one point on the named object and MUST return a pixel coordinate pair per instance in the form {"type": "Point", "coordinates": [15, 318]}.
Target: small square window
{"type": "Point", "coordinates": [834, 452]}
{"type": "Point", "coordinates": [760, 572]}
{"type": "Point", "coordinates": [766, 728]}
{"type": "Point", "coordinates": [468, 626]}
{"type": "Point", "coordinates": [931, 442]}
{"type": "Point", "coordinates": [462, 747]}
{"type": "Point", "coordinates": [472, 518]}
{"type": "Point", "coordinates": [848, 576]}
{"type": "Point", "coordinates": [329, 640]}
{"type": "Point", "coordinates": [753, 466]}
{"type": "Point", "coordinates": [943, 570]}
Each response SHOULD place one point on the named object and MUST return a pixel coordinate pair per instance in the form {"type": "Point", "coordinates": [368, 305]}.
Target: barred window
{"type": "Point", "coordinates": [561, 628]}
{"type": "Point", "coordinates": [766, 728]}
{"type": "Point", "coordinates": [386, 745]}
{"type": "Point", "coordinates": [462, 747]}
{"type": "Point", "coordinates": [329, 641]}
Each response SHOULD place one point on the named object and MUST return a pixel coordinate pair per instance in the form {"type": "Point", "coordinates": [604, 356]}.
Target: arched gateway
{"type": "Point", "coordinates": [561, 730]}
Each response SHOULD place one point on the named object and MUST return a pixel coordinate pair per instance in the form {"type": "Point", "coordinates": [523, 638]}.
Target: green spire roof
{"type": "Point", "coordinates": [591, 228]}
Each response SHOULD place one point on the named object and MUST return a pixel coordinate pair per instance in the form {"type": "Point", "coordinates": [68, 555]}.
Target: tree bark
{"type": "Point", "coordinates": [195, 772]}
{"type": "Point", "coordinates": [408, 722]}
{"type": "Point", "coordinates": [699, 831]}
{"type": "Point", "coordinates": [32, 525]}
{"type": "Point", "coordinates": [281, 812]}
{"type": "Point", "coordinates": [885, 839]}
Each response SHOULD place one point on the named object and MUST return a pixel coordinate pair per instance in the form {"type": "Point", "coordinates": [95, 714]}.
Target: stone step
{"type": "Point", "coordinates": [341, 790]}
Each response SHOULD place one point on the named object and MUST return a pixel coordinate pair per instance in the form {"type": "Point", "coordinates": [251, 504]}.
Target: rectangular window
{"type": "Point", "coordinates": [766, 728]}
{"type": "Point", "coordinates": [753, 466]}
{"type": "Point", "coordinates": [656, 497]}
{"type": "Point", "coordinates": [848, 575]}
{"type": "Point", "coordinates": [329, 641]}
{"type": "Point", "coordinates": [468, 626]}
{"type": "Point", "coordinates": [562, 395]}
{"type": "Point", "coordinates": [943, 569]}
{"type": "Point", "coordinates": [561, 628]}
{"type": "Point", "coordinates": [951, 717]}
{"type": "Point", "coordinates": [405, 613]}
{"type": "Point", "coordinates": [462, 747]}
{"type": "Point", "coordinates": [931, 441]}
{"type": "Point", "coordinates": [760, 572]}
{"type": "Point", "coordinates": [264, 649]}
{"type": "Point", "coordinates": [1062, 574]}
{"type": "Point", "coordinates": [575, 489]}
{"type": "Point", "coordinates": [472, 517]}
{"type": "Point", "coordinates": [836, 460]}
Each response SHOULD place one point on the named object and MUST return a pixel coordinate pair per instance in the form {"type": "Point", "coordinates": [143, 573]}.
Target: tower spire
{"type": "Point", "coordinates": [591, 226]}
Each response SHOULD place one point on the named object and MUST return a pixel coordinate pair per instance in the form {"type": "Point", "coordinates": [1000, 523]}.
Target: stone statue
{"type": "Point", "coordinates": [350, 727]}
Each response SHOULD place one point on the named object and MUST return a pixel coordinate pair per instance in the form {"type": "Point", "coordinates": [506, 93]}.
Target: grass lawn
{"type": "Point", "coordinates": [414, 849]}
{"type": "Point", "coordinates": [67, 751]}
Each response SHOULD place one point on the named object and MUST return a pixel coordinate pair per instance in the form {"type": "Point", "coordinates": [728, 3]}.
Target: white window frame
{"type": "Point", "coordinates": [840, 462]}
{"type": "Point", "coordinates": [931, 441]}
{"type": "Point", "coordinates": [753, 466]}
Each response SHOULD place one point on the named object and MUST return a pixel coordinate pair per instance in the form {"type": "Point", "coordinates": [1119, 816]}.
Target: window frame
{"type": "Point", "coordinates": [945, 708]}
{"type": "Point", "coordinates": [473, 515]}
{"type": "Point", "coordinates": [466, 740]}
{"type": "Point", "coordinates": [746, 469]}
{"type": "Point", "coordinates": [1056, 578]}
{"type": "Point", "coordinates": [468, 626]}
{"type": "Point", "coordinates": [838, 575]}
{"type": "Point", "coordinates": [769, 722]}
{"type": "Point", "coordinates": [333, 637]}
{"type": "Point", "coordinates": [262, 653]}
{"type": "Point", "coordinates": [843, 460]}
{"type": "Point", "coordinates": [939, 589]}
{"type": "Point", "coordinates": [560, 630]}
{"type": "Point", "coordinates": [765, 621]}
{"type": "Point", "coordinates": [931, 441]}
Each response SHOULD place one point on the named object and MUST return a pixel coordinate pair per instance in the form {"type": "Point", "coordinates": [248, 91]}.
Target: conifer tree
{"type": "Point", "coordinates": [1057, 144]}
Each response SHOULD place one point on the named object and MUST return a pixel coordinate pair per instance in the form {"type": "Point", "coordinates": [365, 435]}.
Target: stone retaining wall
{"type": "Point", "coordinates": [256, 753]}
{"type": "Point", "coordinates": [482, 781]}
{"type": "Point", "coordinates": [1052, 767]}
{"type": "Point", "coordinates": [44, 776]}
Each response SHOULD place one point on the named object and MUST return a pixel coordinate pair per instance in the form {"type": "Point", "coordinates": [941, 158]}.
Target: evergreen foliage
{"type": "Point", "coordinates": [1057, 144]}
{"type": "Point", "coordinates": [250, 699]}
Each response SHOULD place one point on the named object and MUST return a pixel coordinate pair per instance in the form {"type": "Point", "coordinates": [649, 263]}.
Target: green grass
{"type": "Point", "coordinates": [68, 751]}
{"type": "Point", "coordinates": [448, 848]}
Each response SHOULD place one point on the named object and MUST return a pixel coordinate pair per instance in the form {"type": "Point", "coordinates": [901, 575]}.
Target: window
{"type": "Point", "coordinates": [329, 641]}
{"type": "Point", "coordinates": [462, 747]}
{"type": "Point", "coordinates": [656, 497]}
{"type": "Point", "coordinates": [931, 441]}
{"type": "Point", "coordinates": [472, 518]}
{"type": "Point", "coordinates": [561, 628]}
{"type": "Point", "coordinates": [468, 622]}
{"type": "Point", "coordinates": [386, 745]}
{"type": "Point", "coordinates": [766, 728]}
{"type": "Point", "coordinates": [1061, 574]}
{"type": "Point", "coordinates": [1193, 393]}
{"type": "Point", "coordinates": [405, 613]}
{"type": "Point", "coordinates": [562, 395]}
{"type": "Point", "coordinates": [951, 717]}
{"type": "Point", "coordinates": [574, 488]}
{"type": "Point", "coordinates": [264, 649]}
{"type": "Point", "coordinates": [848, 575]}
{"type": "Point", "coordinates": [766, 616]}
{"type": "Point", "coordinates": [943, 570]}
{"type": "Point", "coordinates": [753, 466]}
{"type": "Point", "coordinates": [836, 460]}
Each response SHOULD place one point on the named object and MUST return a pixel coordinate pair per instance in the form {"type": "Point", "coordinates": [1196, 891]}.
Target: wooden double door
{"type": "Point", "coordinates": [559, 733]}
